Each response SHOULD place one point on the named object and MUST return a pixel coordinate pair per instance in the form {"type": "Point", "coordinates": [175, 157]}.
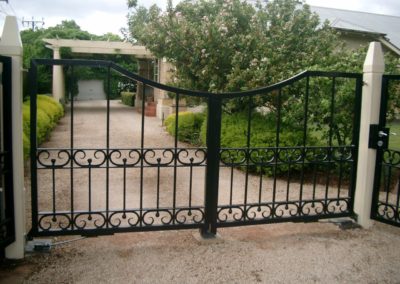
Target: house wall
{"type": "Point", "coordinates": [355, 41]}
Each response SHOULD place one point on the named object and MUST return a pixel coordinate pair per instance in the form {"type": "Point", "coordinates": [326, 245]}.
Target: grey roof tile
{"type": "Point", "coordinates": [362, 21]}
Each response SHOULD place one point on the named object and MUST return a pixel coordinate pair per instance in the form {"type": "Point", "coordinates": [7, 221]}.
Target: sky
{"type": "Point", "coordinates": [102, 16]}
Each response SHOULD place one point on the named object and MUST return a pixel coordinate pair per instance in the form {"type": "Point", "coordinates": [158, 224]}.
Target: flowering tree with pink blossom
{"type": "Point", "coordinates": [231, 45]}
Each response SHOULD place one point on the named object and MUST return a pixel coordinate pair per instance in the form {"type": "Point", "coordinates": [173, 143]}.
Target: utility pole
{"type": "Point", "coordinates": [33, 23]}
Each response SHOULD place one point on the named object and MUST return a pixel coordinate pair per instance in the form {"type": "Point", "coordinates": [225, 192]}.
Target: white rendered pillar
{"type": "Point", "coordinates": [374, 66]}
{"type": "Point", "coordinates": [58, 77]}
{"type": "Point", "coordinates": [10, 45]}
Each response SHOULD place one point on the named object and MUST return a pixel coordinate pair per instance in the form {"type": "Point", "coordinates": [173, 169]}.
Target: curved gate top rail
{"type": "Point", "coordinates": [279, 181]}
{"type": "Point", "coordinates": [136, 77]}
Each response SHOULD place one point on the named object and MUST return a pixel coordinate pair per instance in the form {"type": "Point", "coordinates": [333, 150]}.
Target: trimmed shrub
{"type": "Point", "coordinates": [262, 134]}
{"type": "Point", "coordinates": [189, 125]}
{"type": "Point", "coordinates": [128, 98]}
{"type": "Point", "coordinates": [53, 109]}
{"type": "Point", "coordinates": [48, 114]}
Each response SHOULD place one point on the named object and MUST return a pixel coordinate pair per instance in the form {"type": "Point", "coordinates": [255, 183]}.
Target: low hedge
{"type": "Point", "coordinates": [128, 98]}
{"type": "Point", "coordinates": [48, 113]}
{"type": "Point", "coordinates": [193, 129]}
{"type": "Point", "coordinates": [263, 134]}
{"type": "Point", "coordinates": [189, 125]}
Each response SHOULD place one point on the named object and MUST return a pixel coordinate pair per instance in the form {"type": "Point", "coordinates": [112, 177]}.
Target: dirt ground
{"type": "Point", "coordinates": [276, 253]}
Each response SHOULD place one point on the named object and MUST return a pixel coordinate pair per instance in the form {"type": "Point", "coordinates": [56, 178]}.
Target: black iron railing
{"type": "Point", "coordinates": [224, 186]}
{"type": "Point", "coordinates": [7, 228]}
{"type": "Point", "coordinates": [386, 199]}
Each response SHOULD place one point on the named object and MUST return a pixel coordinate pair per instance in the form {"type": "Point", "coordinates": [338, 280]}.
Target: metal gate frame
{"type": "Point", "coordinates": [387, 160]}
{"type": "Point", "coordinates": [7, 222]}
{"type": "Point", "coordinates": [209, 220]}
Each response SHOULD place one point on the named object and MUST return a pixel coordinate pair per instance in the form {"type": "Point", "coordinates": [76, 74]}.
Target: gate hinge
{"type": "Point", "coordinates": [378, 137]}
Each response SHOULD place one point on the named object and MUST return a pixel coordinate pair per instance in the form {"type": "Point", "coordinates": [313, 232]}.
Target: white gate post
{"type": "Point", "coordinates": [10, 45]}
{"type": "Point", "coordinates": [374, 66]}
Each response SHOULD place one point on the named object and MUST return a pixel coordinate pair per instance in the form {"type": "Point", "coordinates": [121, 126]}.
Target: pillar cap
{"type": "Point", "coordinates": [374, 61]}
{"type": "Point", "coordinates": [10, 43]}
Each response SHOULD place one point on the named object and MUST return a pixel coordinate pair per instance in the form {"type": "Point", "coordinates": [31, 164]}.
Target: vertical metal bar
{"type": "Point", "coordinates": [212, 168]}
{"type": "Point", "coordinates": [340, 181]}
{"type": "Point", "coordinates": [288, 185]}
{"type": "Point", "coordinates": [175, 156]}
{"type": "Point", "coordinates": [331, 121]}
{"type": "Point", "coordinates": [331, 118]}
{"type": "Point", "coordinates": [142, 154]}
{"type": "Point", "coordinates": [70, 90]}
{"type": "Point", "coordinates": [34, 185]}
{"type": "Point", "coordinates": [277, 152]}
{"type": "Point", "coordinates": [90, 188]}
{"type": "Point", "coordinates": [158, 183]}
{"type": "Point", "coordinates": [387, 183]}
{"type": "Point", "coordinates": [53, 176]}
{"type": "Point", "coordinates": [231, 189]}
{"type": "Point", "coordinates": [303, 150]}
{"type": "Point", "coordinates": [108, 147]}
{"type": "Point", "coordinates": [248, 140]}
{"type": "Point", "coordinates": [315, 174]}
{"type": "Point", "coordinates": [260, 188]}
{"type": "Point", "coordinates": [190, 185]}
{"type": "Point", "coordinates": [355, 140]}
{"type": "Point", "coordinates": [124, 185]}
{"type": "Point", "coordinates": [397, 218]}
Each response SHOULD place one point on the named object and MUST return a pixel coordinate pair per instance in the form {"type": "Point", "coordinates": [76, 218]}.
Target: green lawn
{"type": "Point", "coordinates": [394, 139]}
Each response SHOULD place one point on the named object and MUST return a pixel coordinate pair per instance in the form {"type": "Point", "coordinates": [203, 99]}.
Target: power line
{"type": "Point", "coordinates": [33, 23]}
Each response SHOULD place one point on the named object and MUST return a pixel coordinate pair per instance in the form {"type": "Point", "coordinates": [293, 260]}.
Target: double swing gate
{"type": "Point", "coordinates": [282, 153]}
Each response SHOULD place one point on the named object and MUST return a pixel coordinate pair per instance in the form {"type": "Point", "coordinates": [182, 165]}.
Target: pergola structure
{"type": "Point", "coordinates": [143, 55]}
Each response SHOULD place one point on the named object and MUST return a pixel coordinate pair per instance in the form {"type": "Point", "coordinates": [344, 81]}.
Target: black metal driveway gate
{"type": "Point", "coordinates": [7, 229]}
{"type": "Point", "coordinates": [282, 178]}
{"type": "Point", "coordinates": [386, 198]}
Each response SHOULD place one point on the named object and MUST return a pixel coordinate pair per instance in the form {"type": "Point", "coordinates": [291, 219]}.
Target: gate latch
{"type": "Point", "coordinates": [378, 137]}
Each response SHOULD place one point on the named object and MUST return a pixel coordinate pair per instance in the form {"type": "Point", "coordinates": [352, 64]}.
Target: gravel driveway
{"type": "Point", "coordinates": [277, 253]}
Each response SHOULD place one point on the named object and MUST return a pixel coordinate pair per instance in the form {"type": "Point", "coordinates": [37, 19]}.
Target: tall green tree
{"type": "Point", "coordinates": [231, 45]}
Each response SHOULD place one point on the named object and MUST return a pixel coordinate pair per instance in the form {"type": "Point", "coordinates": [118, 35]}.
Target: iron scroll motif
{"type": "Point", "coordinates": [387, 206]}
{"type": "Point", "coordinates": [92, 220]}
{"type": "Point", "coordinates": [62, 158]}
{"type": "Point", "coordinates": [267, 160]}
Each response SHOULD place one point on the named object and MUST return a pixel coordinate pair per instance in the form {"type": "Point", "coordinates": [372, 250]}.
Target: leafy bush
{"type": "Point", "coordinates": [48, 114]}
{"type": "Point", "coordinates": [53, 109]}
{"type": "Point", "coordinates": [262, 134]}
{"type": "Point", "coordinates": [128, 98]}
{"type": "Point", "coordinates": [189, 125]}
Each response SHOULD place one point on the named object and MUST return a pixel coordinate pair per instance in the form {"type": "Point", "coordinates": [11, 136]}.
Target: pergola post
{"type": "Point", "coordinates": [58, 77]}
